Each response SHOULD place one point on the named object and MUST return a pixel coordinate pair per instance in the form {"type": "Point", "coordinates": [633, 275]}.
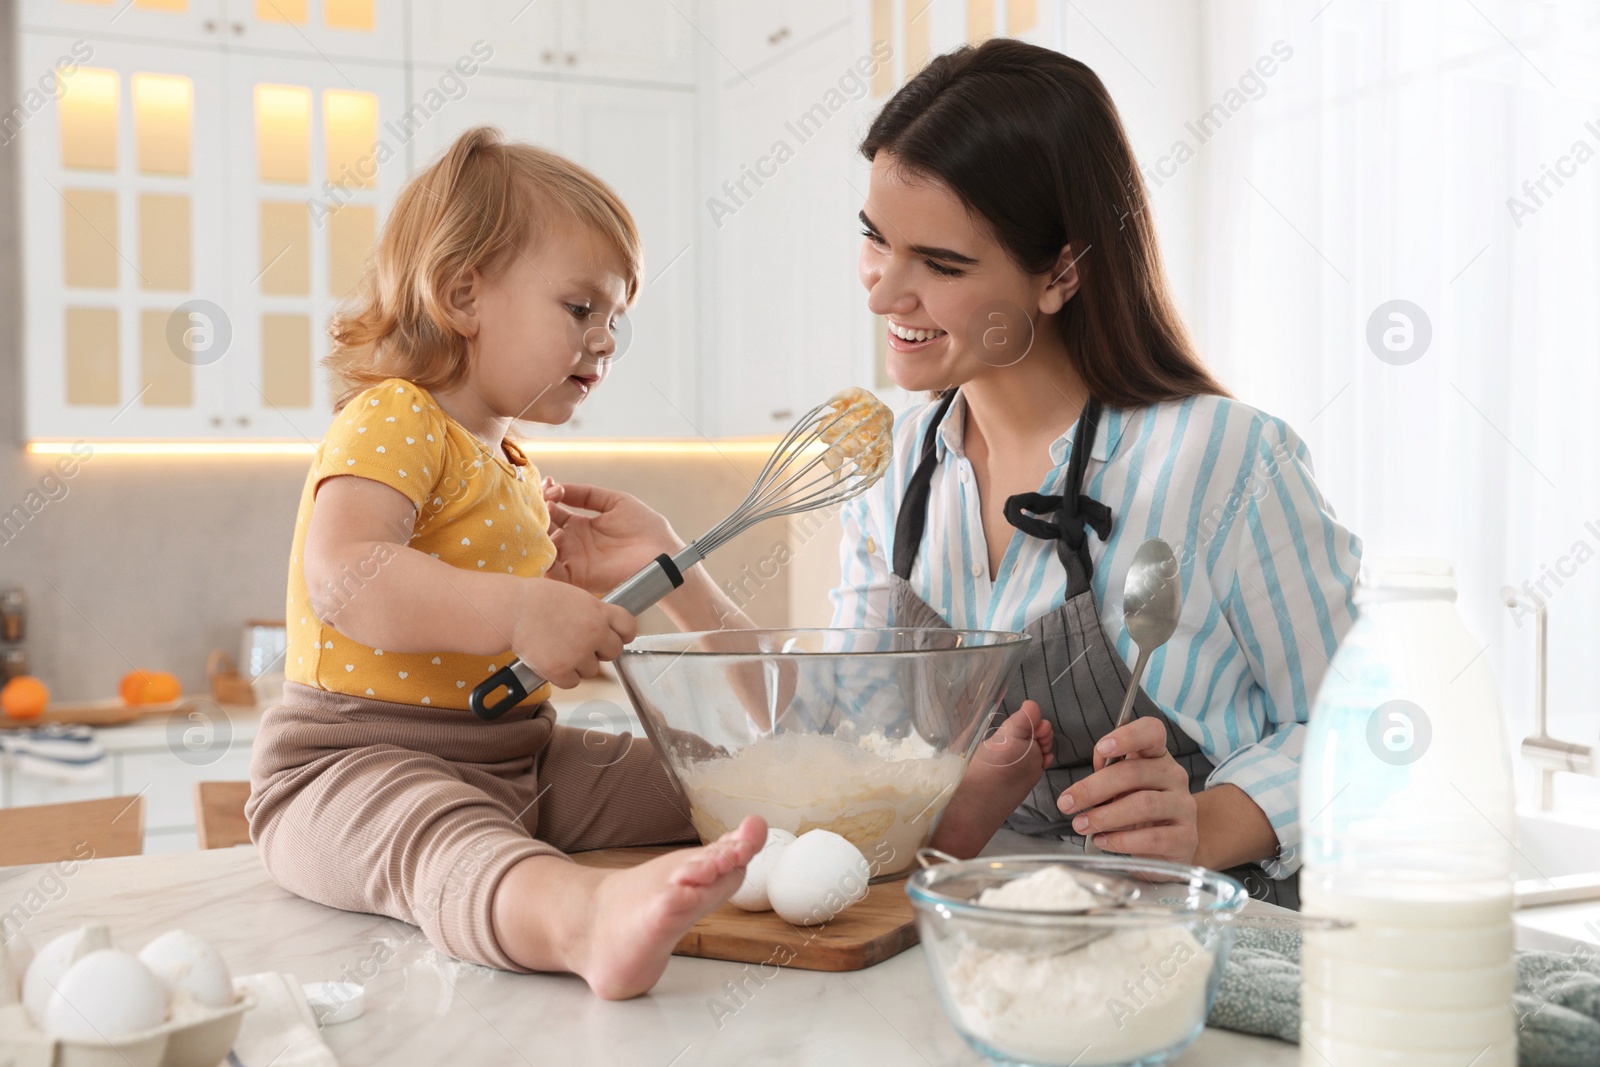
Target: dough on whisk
{"type": "Point", "coordinates": [858, 428]}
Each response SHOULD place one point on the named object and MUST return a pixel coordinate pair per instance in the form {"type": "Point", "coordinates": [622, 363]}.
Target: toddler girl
{"type": "Point", "coordinates": [427, 552]}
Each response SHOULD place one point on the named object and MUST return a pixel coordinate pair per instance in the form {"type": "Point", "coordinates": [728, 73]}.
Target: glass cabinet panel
{"type": "Point", "coordinates": [163, 117]}
{"type": "Point", "coordinates": [283, 133]}
{"type": "Point", "coordinates": [88, 110]}
{"type": "Point", "coordinates": [89, 238]}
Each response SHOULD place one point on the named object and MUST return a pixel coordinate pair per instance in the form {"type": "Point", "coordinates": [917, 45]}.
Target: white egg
{"type": "Point", "coordinates": [106, 995]}
{"type": "Point", "coordinates": [752, 892]}
{"type": "Point", "coordinates": [816, 878]}
{"type": "Point", "coordinates": [51, 963]}
{"type": "Point", "coordinates": [190, 969]}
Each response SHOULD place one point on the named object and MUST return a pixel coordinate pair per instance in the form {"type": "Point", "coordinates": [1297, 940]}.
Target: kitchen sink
{"type": "Point", "coordinates": [1558, 887]}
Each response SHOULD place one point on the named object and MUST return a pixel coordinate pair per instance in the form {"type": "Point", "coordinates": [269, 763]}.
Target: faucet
{"type": "Point", "coordinates": [1547, 754]}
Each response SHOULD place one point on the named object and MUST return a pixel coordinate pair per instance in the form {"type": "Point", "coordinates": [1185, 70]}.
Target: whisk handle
{"type": "Point", "coordinates": [649, 584]}
{"type": "Point", "coordinates": [518, 680]}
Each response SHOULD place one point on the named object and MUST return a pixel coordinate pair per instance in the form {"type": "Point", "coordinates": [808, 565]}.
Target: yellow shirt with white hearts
{"type": "Point", "coordinates": [476, 509]}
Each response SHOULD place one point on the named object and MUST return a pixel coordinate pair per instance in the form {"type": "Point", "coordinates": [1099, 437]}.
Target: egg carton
{"type": "Point", "coordinates": [201, 1037]}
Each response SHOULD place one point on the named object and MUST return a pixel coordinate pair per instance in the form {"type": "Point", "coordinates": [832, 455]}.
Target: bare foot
{"type": "Point", "coordinates": [1000, 776]}
{"type": "Point", "coordinates": [616, 929]}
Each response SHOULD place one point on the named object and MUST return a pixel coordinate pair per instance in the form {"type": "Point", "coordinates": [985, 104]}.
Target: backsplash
{"type": "Point", "coordinates": [153, 562]}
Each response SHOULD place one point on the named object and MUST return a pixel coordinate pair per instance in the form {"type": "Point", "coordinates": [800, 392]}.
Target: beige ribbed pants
{"type": "Point", "coordinates": [417, 812]}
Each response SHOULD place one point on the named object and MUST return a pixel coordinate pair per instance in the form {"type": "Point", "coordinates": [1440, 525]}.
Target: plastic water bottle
{"type": "Point", "coordinates": [1407, 809]}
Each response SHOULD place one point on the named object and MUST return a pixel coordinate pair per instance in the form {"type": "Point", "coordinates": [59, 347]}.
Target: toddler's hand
{"type": "Point", "coordinates": [564, 633]}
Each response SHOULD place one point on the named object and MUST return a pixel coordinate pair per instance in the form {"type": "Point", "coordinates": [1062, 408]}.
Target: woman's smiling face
{"type": "Point", "coordinates": [958, 306]}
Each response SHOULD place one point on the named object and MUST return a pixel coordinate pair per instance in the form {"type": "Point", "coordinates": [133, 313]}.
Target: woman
{"type": "Point", "coordinates": [1008, 242]}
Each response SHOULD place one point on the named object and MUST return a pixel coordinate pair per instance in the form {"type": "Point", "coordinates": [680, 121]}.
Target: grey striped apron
{"type": "Point", "coordinates": [1070, 668]}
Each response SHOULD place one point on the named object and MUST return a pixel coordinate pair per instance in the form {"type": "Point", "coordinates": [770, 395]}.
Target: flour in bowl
{"type": "Point", "coordinates": [1138, 991]}
{"type": "Point", "coordinates": [883, 794]}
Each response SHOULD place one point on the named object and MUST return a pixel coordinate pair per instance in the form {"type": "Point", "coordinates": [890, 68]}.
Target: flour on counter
{"type": "Point", "coordinates": [1140, 990]}
{"type": "Point", "coordinates": [881, 793]}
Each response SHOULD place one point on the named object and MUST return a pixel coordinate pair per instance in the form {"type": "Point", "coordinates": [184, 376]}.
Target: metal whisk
{"type": "Point", "coordinates": [796, 478]}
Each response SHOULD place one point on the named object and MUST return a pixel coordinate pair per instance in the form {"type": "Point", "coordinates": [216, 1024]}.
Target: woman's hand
{"type": "Point", "coordinates": [1140, 805]}
{"type": "Point", "coordinates": [602, 536]}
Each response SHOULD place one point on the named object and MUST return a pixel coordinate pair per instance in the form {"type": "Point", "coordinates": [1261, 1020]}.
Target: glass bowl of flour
{"type": "Point", "coordinates": [864, 732]}
{"type": "Point", "coordinates": [1037, 963]}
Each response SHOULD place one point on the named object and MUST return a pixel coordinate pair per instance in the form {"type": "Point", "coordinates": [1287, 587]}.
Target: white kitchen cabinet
{"type": "Point", "coordinates": [162, 841]}
{"type": "Point", "coordinates": [318, 29]}
{"type": "Point", "coordinates": [779, 222]}
{"type": "Point", "coordinates": [328, 31]}
{"type": "Point", "coordinates": [190, 219]}
{"type": "Point", "coordinates": [167, 783]}
{"type": "Point", "coordinates": [525, 37]}
{"type": "Point", "coordinates": [650, 389]}
{"type": "Point", "coordinates": [748, 36]}
{"type": "Point", "coordinates": [140, 761]}
{"type": "Point", "coordinates": [119, 192]}
{"type": "Point", "coordinates": [24, 791]}
{"type": "Point", "coordinates": [629, 40]}
{"type": "Point", "coordinates": [613, 130]}
{"type": "Point", "coordinates": [522, 107]}
{"type": "Point", "coordinates": [626, 39]}
{"type": "Point", "coordinates": [169, 21]}
{"type": "Point", "coordinates": [248, 203]}
{"type": "Point", "coordinates": [314, 166]}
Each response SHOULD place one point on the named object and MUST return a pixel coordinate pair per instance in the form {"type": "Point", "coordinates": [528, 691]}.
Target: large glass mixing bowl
{"type": "Point", "coordinates": [862, 732]}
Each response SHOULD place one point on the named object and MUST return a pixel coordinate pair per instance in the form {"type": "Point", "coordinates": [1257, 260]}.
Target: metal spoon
{"type": "Point", "coordinates": [1151, 599]}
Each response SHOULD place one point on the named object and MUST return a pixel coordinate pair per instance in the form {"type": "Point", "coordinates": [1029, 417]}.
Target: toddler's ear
{"type": "Point", "coordinates": [461, 303]}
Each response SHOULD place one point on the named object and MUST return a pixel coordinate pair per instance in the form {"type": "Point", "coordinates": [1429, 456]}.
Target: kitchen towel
{"type": "Point", "coordinates": [1557, 998]}
{"type": "Point", "coordinates": [281, 1030]}
{"type": "Point", "coordinates": [62, 754]}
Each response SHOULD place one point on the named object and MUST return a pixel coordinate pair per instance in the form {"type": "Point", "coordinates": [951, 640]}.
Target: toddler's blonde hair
{"type": "Point", "coordinates": [475, 208]}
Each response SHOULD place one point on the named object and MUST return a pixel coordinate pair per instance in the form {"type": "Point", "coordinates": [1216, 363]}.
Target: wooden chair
{"type": "Point", "coordinates": [219, 814]}
{"type": "Point", "coordinates": [81, 830]}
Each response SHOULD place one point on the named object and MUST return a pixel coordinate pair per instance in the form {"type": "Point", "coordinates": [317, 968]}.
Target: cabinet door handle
{"type": "Point", "coordinates": [238, 29]}
{"type": "Point", "coordinates": [216, 420]}
{"type": "Point", "coordinates": [572, 59]}
{"type": "Point", "coordinates": [778, 35]}
{"type": "Point", "coordinates": [782, 415]}
{"type": "Point", "coordinates": [548, 57]}
{"type": "Point", "coordinates": [209, 25]}
{"type": "Point", "coordinates": [244, 420]}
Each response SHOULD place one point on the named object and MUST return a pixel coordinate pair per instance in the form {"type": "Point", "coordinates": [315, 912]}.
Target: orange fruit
{"type": "Point", "coordinates": [131, 687]}
{"type": "Point", "coordinates": [149, 687]}
{"type": "Point", "coordinates": [161, 687]}
{"type": "Point", "coordinates": [24, 697]}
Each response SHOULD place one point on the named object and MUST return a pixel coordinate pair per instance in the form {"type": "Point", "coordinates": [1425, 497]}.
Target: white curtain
{"type": "Point", "coordinates": [1385, 159]}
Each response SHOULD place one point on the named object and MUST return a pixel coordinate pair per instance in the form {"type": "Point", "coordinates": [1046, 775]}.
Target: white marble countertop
{"type": "Point", "coordinates": [424, 1008]}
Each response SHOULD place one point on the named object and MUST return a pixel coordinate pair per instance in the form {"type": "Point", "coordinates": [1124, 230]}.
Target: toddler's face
{"type": "Point", "coordinates": [547, 325]}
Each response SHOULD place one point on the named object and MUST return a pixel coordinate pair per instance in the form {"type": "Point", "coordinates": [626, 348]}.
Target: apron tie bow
{"type": "Point", "coordinates": [1096, 514]}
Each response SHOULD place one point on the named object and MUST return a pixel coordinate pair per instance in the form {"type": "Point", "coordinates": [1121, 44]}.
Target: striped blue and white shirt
{"type": "Point", "coordinates": [1267, 572]}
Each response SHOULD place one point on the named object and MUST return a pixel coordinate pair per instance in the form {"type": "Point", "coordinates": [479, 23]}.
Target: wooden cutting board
{"type": "Point", "coordinates": [870, 931]}
{"type": "Point", "coordinates": [111, 712]}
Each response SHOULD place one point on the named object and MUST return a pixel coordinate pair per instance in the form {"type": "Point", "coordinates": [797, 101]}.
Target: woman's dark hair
{"type": "Point", "coordinates": [1029, 140]}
